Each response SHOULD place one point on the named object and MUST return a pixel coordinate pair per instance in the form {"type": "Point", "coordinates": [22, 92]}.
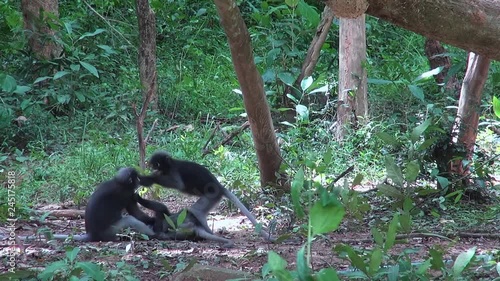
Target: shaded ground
{"type": "Point", "coordinates": [156, 260]}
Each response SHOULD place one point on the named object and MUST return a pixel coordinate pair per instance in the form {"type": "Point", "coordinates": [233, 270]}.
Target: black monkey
{"type": "Point", "coordinates": [193, 179]}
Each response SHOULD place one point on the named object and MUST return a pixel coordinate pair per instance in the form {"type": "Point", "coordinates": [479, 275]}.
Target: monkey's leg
{"type": "Point", "coordinates": [130, 221]}
{"type": "Point", "coordinates": [209, 236]}
{"type": "Point", "coordinates": [201, 208]}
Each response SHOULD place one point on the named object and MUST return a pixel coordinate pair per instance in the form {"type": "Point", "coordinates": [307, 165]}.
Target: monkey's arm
{"type": "Point", "coordinates": [134, 210]}
{"type": "Point", "coordinates": [170, 180]}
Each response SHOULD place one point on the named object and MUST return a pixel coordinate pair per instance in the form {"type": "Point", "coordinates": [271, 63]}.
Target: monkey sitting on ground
{"type": "Point", "coordinates": [103, 214]}
{"type": "Point", "coordinates": [193, 179]}
{"type": "Point", "coordinates": [190, 229]}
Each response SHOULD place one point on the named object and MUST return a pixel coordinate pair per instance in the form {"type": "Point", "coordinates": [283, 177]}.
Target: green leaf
{"type": "Point", "coordinates": [297, 185]}
{"type": "Point", "coordinates": [417, 92]}
{"type": "Point", "coordinates": [302, 112]}
{"type": "Point", "coordinates": [375, 261]}
{"type": "Point", "coordinates": [292, 3]}
{"type": "Point", "coordinates": [306, 83]}
{"type": "Point", "coordinates": [393, 171]}
{"type": "Point", "coordinates": [325, 218]}
{"type": "Point", "coordinates": [327, 274]}
{"type": "Point", "coordinates": [60, 74]}
{"type": "Point", "coordinates": [390, 191]}
{"type": "Point", "coordinates": [89, 34]}
{"type": "Point", "coordinates": [391, 232]}
{"type": "Point", "coordinates": [412, 171]}
{"type": "Point", "coordinates": [303, 270]}
{"type": "Point", "coordinates": [90, 68]}
{"type": "Point", "coordinates": [80, 96]}
{"type": "Point", "coordinates": [423, 267]}
{"type": "Point", "coordinates": [357, 180]}
{"type": "Point", "coordinates": [22, 89]}
{"type": "Point", "coordinates": [278, 266]}
{"type": "Point", "coordinates": [49, 271]}
{"type": "Point", "coordinates": [92, 270]}
{"type": "Point", "coordinates": [309, 13]}
{"type": "Point", "coordinates": [377, 236]}
{"type": "Point", "coordinates": [388, 139]}
{"type": "Point", "coordinates": [40, 79]}
{"type": "Point", "coordinates": [9, 84]}
{"type": "Point", "coordinates": [170, 222]}
{"type": "Point", "coordinates": [356, 260]}
{"type": "Point", "coordinates": [427, 143]}
{"type": "Point", "coordinates": [181, 217]}
{"type": "Point", "coordinates": [287, 78]}
{"type": "Point", "coordinates": [443, 182]}
{"type": "Point", "coordinates": [463, 261]}
{"type": "Point", "coordinates": [107, 49]}
{"type": "Point", "coordinates": [419, 130]}
{"type": "Point", "coordinates": [71, 254]}
{"type": "Point", "coordinates": [429, 74]}
{"type": "Point", "coordinates": [496, 106]}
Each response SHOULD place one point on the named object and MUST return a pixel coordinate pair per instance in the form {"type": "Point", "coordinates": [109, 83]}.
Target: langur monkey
{"type": "Point", "coordinates": [193, 179]}
{"type": "Point", "coordinates": [190, 229]}
{"type": "Point", "coordinates": [103, 214]}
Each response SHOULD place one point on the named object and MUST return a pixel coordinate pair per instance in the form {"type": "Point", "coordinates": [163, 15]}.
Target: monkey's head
{"type": "Point", "coordinates": [160, 162]}
{"type": "Point", "coordinates": [128, 177]}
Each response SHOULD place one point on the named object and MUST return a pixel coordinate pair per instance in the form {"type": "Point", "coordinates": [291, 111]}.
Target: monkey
{"type": "Point", "coordinates": [103, 214]}
{"type": "Point", "coordinates": [190, 229]}
{"type": "Point", "coordinates": [193, 179]}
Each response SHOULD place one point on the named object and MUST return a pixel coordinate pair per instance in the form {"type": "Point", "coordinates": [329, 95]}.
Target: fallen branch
{"type": "Point", "coordinates": [65, 213]}
{"type": "Point", "coordinates": [448, 237]}
{"type": "Point", "coordinates": [227, 139]}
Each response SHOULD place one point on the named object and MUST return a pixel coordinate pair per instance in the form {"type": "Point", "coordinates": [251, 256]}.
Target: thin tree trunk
{"type": "Point", "coordinates": [314, 50]}
{"type": "Point", "coordinates": [352, 102]}
{"type": "Point", "coordinates": [252, 87]}
{"type": "Point", "coordinates": [147, 68]}
{"type": "Point", "coordinates": [40, 35]}
{"type": "Point", "coordinates": [469, 109]}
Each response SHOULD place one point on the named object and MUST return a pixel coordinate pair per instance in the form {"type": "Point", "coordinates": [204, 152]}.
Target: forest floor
{"type": "Point", "coordinates": [157, 260]}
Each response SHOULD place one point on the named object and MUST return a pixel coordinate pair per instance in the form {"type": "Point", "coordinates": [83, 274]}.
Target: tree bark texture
{"type": "Point", "coordinates": [435, 54]}
{"type": "Point", "coordinates": [40, 35]}
{"type": "Point", "coordinates": [470, 25]}
{"type": "Point", "coordinates": [352, 101]}
{"type": "Point", "coordinates": [469, 108]}
{"type": "Point", "coordinates": [147, 67]}
{"type": "Point", "coordinates": [252, 87]}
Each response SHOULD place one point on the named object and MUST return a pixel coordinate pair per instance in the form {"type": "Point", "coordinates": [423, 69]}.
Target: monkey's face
{"type": "Point", "coordinates": [160, 163]}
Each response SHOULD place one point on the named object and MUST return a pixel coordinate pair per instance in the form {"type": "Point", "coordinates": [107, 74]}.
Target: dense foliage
{"type": "Point", "coordinates": [67, 124]}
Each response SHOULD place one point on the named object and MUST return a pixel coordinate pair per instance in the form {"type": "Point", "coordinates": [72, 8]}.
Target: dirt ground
{"type": "Point", "coordinates": [156, 260]}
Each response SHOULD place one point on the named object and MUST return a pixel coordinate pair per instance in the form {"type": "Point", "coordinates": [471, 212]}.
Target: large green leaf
{"type": "Point", "coordinates": [393, 171]}
{"type": "Point", "coordinates": [8, 83]}
{"type": "Point", "coordinates": [90, 68]}
{"type": "Point", "coordinates": [303, 270]}
{"type": "Point", "coordinates": [496, 106]}
{"type": "Point", "coordinates": [417, 92]}
{"type": "Point", "coordinates": [412, 171]}
{"type": "Point", "coordinates": [326, 218]}
{"type": "Point", "coordinates": [309, 13]}
{"type": "Point", "coordinates": [390, 191]}
{"type": "Point", "coordinates": [327, 274]}
{"type": "Point", "coordinates": [419, 130]}
{"type": "Point", "coordinates": [297, 185]}
{"type": "Point", "coordinates": [463, 261]}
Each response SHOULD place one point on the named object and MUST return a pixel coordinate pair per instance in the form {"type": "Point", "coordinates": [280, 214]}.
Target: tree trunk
{"type": "Point", "coordinates": [468, 111]}
{"type": "Point", "coordinates": [40, 35]}
{"type": "Point", "coordinates": [252, 87]}
{"type": "Point", "coordinates": [435, 53]}
{"type": "Point", "coordinates": [147, 68]}
{"type": "Point", "coordinates": [352, 102]}
{"type": "Point", "coordinates": [470, 25]}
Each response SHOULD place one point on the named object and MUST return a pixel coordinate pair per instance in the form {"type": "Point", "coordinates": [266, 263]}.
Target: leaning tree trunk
{"type": "Point", "coordinates": [352, 102]}
{"type": "Point", "coordinates": [252, 87]}
{"type": "Point", "coordinates": [147, 68]}
{"type": "Point", "coordinates": [40, 35]}
{"type": "Point", "coordinates": [314, 50]}
{"type": "Point", "coordinates": [468, 111]}
{"type": "Point", "coordinates": [470, 25]}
